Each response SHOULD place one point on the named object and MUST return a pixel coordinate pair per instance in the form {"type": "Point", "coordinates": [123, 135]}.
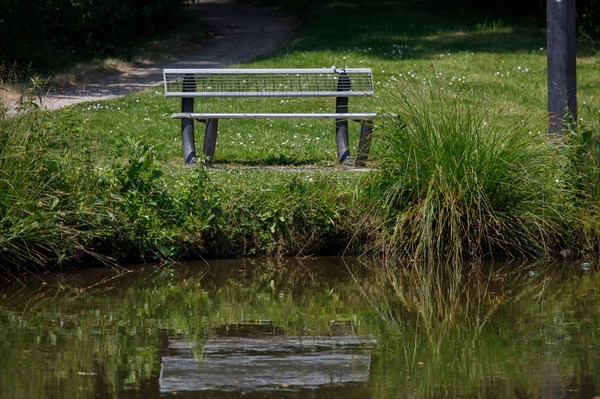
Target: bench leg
{"type": "Point", "coordinates": [364, 143]}
{"type": "Point", "coordinates": [341, 130]}
{"type": "Point", "coordinates": [187, 133]}
{"type": "Point", "coordinates": [341, 138]}
{"type": "Point", "coordinates": [210, 139]}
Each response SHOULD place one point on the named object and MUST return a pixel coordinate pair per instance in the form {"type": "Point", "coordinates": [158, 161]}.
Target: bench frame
{"type": "Point", "coordinates": [189, 84]}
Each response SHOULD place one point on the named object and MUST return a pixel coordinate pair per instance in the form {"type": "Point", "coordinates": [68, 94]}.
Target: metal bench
{"type": "Point", "coordinates": [340, 83]}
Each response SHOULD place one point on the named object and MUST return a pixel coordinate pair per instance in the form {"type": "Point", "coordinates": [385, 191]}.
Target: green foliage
{"type": "Point", "coordinates": [47, 32]}
{"type": "Point", "coordinates": [584, 143]}
{"type": "Point", "coordinates": [145, 203]}
{"type": "Point", "coordinates": [458, 180]}
{"type": "Point", "coordinates": [588, 18]}
{"type": "Point", "coordinates": [162, 221]}
{"type": "Point", "coordinates": [297, 215]}
{"type": "Point", "coordinates": [583, 176]}
{"type": "Point", "coordinates": [47, 215]}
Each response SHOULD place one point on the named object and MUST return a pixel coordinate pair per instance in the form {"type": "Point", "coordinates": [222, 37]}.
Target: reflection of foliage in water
{"type": "Point", "coordinates": [498, 332]}
{"type": "Point", "coordinates": [505, 331]}
{"type": "Point", "coordinates": [102, 340]}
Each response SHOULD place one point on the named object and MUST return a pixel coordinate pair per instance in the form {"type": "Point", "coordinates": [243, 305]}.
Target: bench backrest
{"type": "Point", "coordinates": [321, 82]}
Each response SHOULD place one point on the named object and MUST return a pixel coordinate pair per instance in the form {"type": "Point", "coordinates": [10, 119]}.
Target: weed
{"type": "Point", "coordinates": [289, 215]}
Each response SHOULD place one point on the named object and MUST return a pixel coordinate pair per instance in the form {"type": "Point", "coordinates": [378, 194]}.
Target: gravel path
{"type": "Point", "coordinates": [237, 33]}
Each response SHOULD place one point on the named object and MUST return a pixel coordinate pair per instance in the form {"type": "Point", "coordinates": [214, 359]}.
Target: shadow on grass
{"type": "Point", "coordinates": [392, 29]}
{"type": "Point", "coordinates": [271, 160]}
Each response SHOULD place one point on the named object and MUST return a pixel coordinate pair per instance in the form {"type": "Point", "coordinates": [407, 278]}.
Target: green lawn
{"type": "Point", "coordinates": [499, 58]}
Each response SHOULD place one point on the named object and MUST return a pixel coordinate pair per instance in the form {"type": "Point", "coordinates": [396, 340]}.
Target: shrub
{"type": "Point", "coordinates": [585, 155]}
{"type": "Point", "coordinates": [584, 177]}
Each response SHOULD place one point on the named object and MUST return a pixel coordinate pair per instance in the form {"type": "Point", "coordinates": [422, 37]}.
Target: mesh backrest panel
{"type": "Point", "coordinates": [259, 83]}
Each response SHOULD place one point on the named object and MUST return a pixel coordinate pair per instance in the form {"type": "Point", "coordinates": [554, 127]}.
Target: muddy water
{"type": "Point", "coordinates": [321, 328]}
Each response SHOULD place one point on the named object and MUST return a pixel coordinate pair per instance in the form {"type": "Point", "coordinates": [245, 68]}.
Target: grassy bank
{"type": "Point", "coordinates": [463, 170]}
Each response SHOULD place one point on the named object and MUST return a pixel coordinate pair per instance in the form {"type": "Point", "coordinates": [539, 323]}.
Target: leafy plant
{"type": "Point", "coordinates": [584, 142]}
{"type": "Point", "coordinates": [583, 176]}
{"type": "Point", "coordinates": [297, 215]}
{"type": "Point", "coordinates": [146, 204]}
{"type": "Point", "coordinates": [164, 221]}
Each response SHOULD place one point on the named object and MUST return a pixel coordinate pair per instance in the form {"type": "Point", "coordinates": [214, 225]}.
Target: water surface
{"type": "Point", "coordinates": [321, 328]}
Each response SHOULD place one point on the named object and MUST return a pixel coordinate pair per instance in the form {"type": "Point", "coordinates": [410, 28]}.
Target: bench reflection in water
{"type": "Point", "coordinates": [264, 363]}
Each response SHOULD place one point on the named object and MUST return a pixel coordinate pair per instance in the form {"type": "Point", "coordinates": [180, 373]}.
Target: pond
{"type": "Point", "coordinates": [313, 328]}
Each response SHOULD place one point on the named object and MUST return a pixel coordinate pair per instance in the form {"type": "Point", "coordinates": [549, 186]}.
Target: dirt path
{"type": "Point", "coordinates": [237, 33]}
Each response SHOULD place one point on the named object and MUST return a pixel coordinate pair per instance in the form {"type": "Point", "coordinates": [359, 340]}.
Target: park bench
{"type": "Point", "coordinates": [339, 83]}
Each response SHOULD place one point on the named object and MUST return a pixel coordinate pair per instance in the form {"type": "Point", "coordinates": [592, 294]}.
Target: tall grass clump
{"type": "Point", "coordinates": [461, 180]}
{"type": "Point", "coordinates": [47, 216]}
{"type": "Point", "coordinates": [584, 176]}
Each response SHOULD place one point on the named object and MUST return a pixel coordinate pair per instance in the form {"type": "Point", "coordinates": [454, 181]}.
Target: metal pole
{"type": "Point", "coordinates": [187, 125]}
{"type": "Point", "coordinates": [341, 125]}
{"type": "Point", "coordinates": [562, 85]}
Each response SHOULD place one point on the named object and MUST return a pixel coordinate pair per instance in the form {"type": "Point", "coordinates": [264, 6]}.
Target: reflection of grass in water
{"type": "Point", "coordinates": [482, 334]}
{"type": "Point", "coordinates": [436, 300]}
{"type": "Point", "coordinates": [479, 333]}
{"type": "Point", "coordinates": [432, 322]}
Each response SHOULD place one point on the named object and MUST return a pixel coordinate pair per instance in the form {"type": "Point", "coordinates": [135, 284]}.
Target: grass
{"type": "Point", "coordinates": [241, 142]}
{"type": "Point", "coordinates": [444, 72]}
{"type": "Point", "coordinates": [47, 212]}
{"type": "Point", "coordinates": [461, 180]}
{"type": "Point", "coordinates": [501, 57]}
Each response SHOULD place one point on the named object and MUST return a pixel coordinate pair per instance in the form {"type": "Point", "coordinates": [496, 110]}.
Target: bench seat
{"type": "Point", "coordinates": [208, 115]}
